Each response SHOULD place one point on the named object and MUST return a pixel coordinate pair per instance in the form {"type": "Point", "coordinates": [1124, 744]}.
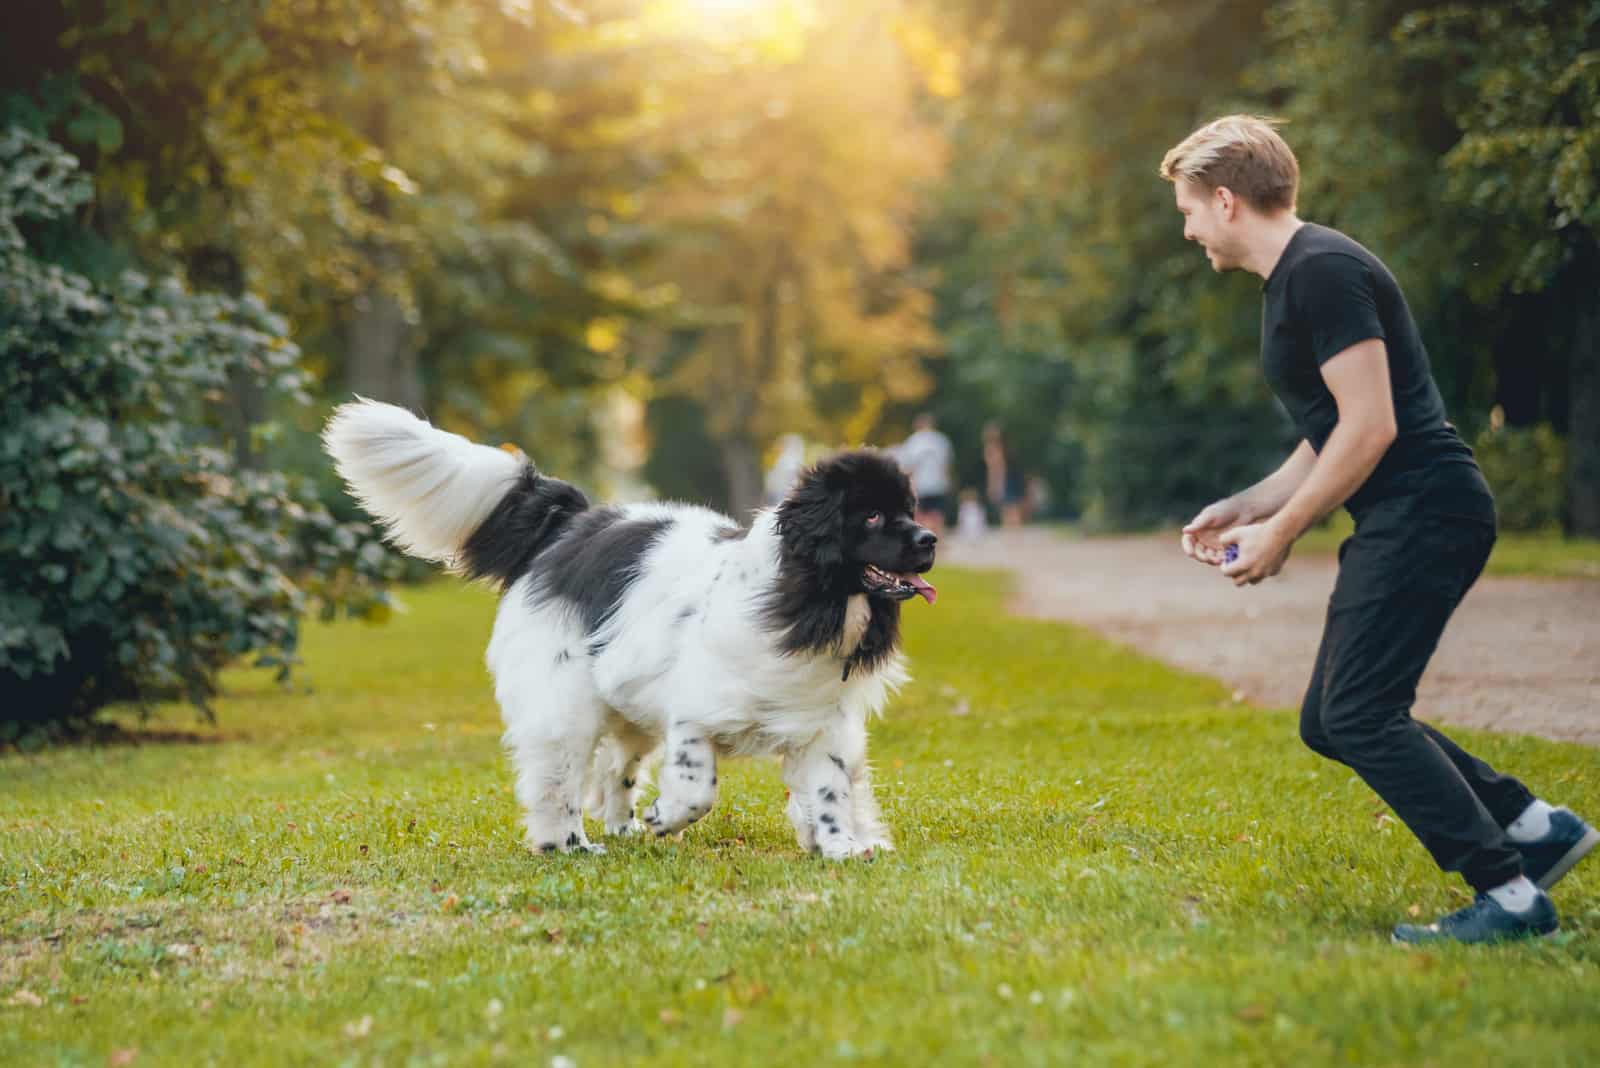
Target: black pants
{"type": "Point", "coordinates": [1409, 563]}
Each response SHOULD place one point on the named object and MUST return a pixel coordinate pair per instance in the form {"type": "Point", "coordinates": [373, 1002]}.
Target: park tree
{"type": "Point", "coordinates": [795, 158]}
{"type": "Point", "coordinates": [1068, 297]}
{"type": "Point", "coordinates": [1524, 174]}
{"type": "Point", "coordinates": [1451, 141]}
{"type": "Point", "coordinates": [420, 188]}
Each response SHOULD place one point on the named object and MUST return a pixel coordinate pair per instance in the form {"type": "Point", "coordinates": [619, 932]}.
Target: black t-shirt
{"type": "Point", "coordinates": [1326, 294]}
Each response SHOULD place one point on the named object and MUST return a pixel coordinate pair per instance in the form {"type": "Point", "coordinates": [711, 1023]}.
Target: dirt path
{"type": "Point", "coordinates": [1521, 655]}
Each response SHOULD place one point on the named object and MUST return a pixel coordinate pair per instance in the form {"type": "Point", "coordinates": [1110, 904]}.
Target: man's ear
{"type": "Point", "coordinates": [1226, 201]}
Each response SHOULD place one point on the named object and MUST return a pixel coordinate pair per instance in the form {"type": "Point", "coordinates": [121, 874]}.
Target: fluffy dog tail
{"type": "Point", "coordinates": [441, 497]}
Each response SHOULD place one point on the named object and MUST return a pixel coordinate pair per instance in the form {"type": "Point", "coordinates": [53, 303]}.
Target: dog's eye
{"type": "Point", "coordinates": [874, 519]}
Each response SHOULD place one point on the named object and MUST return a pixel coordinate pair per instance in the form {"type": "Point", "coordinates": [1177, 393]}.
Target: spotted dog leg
{"type": "Point", "coordinates": [821, 801]}
{"type": "Point", "coordinates": [550, 752]}
{"type": "Point", "coordinates": [615, 780]}
{"type": "Point", "coordinates": [869, 828]}
{"type": "Point", "coordinates": [688, 781]}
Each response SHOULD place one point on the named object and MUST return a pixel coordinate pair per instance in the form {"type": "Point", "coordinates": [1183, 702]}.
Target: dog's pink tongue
{"type": "Point", "coordinates": [923, 587]}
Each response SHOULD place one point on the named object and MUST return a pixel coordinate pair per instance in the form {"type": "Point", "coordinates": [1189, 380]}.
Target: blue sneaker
{"type": "Point", "coordinates": [1568, 841]}
{"type": "Point", "coordinates": [1482, 922]}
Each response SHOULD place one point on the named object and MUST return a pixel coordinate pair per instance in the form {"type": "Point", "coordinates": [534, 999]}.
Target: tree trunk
{"type": "Point", "coordinates": [1583, 425]}
{"type": "Point", "coordinates": [381, 353]}
{"type": "Point", "coordinates": [218, 268]}
{"type": "Point", "coordinates": [741, 459]}
{"type": "Point", "coordinates": [381, 360]}
{"type": "Point", "coordinates": [741, 467]}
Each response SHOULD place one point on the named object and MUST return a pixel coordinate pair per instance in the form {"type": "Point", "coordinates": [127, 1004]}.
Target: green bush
{"type": "Point", "coordinates": [138, 556]}
{"type": "Point", "coordinates": [1527, 469]}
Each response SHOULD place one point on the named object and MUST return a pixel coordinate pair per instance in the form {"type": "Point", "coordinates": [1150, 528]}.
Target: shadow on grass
{"type": "Point", "coordinates": [110, 734]}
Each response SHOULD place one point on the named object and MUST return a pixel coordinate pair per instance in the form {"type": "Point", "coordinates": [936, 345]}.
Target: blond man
{"type": "Point", "coordinates": [1341, 351]}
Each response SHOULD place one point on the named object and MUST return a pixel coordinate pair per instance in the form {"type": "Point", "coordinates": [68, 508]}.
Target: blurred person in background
{"type": "Point", "coordinates": [926, 456]}
{"type": "Point", "coordinates": [1007, 488]}
{"type": "Point", "coordinates": [971, 520]}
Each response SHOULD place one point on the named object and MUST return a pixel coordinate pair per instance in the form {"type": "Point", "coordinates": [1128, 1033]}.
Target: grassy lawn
{"type": "Point", "coordinates": [1541, 555]}
{"type": "Point", "coordinates": [1101, 861]}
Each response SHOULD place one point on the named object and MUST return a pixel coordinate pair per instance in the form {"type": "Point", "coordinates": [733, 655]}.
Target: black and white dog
{"type": "Point", "coordinates": [626, 629]}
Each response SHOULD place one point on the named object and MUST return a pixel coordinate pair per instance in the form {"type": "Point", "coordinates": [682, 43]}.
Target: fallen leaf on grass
{"type": "Point", "coordinates": [25, 997]}
{"type": "Point", "coordinates": [1252, 1013]}
{"type": "Point", "coordinates": [341, 897]}
{"type": "Point", "coordinates": [671, 1017]}
{"type": "Point", "coordinates": [1414, 911]}
{"type": "Point", "coordinates": [121, 1058]}
{"type": "Point", "coordinates": [358, 1028]}
{"type": "Point", "coordinates": [731, 1018]}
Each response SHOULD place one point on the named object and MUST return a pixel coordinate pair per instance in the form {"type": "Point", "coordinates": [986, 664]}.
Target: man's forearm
{"type": "Point", "coordinates": [1267, 497]}
{"type": "Point", "coordinates": [1347, 459]}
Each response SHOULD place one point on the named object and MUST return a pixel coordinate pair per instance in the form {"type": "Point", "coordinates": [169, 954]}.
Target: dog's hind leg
{"type": "Point", "coordinates": [551, 738]}
{"type": "Point", "coordinates": [688, 781]}
{"type": "Point", "coordinates": [616, 776]}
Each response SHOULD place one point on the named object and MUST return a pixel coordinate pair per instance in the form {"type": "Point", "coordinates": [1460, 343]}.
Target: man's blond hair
{"type": "Point", "coordinates": [1243, 153]}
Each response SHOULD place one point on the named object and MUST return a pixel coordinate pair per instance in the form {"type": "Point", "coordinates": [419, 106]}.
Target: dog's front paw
{"type": "Point", "coordinates": [574, 843]}
{"type": "Point", "coordinates": [844, 847]}
{"type": "Point", "coordinates": [805, 831]}
{"type": "Point", "coordinates": [666, 816]}
{"type": "Point", "coordinates": [626, 829]}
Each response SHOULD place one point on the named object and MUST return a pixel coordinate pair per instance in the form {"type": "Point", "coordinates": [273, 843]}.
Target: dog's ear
{"type": "Point", "coordinates": [811, 523]}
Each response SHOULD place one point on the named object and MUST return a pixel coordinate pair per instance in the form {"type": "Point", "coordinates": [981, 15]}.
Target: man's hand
{"type": "Point", "coordinates": [1200, 535]}
{"type": "Point", "coordinates": [1263, 549]}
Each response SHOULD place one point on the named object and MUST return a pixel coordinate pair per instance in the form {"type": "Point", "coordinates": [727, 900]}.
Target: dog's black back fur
{"type": "Point", "coordinates": [595, 563]}
{"type": "Point", "coordinates": [528, 519]}
{"type": "Point", "coordinates": [544, 527]}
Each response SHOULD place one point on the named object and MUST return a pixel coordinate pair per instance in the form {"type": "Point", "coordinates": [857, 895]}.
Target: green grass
{"type": "Point", "coordinates": [1547, 554]}
{"type": "Point", "coordinates": [1101, 861]}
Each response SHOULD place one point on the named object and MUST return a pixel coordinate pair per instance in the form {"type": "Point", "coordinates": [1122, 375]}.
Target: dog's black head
{"type": "Point", "coordinates": [847, 527]}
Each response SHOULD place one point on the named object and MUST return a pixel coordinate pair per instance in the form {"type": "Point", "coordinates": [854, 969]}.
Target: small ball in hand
{"type": "Point", "coordinates": [1231, 555]}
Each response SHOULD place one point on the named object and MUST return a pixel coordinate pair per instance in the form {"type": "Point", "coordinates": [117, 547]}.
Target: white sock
{"type": "Point", "coordinates": [1516, 896]}
{"type": "Point", "coordinates": [1532, 825]}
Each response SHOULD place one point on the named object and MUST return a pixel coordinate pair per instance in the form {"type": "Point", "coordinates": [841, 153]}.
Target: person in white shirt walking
{"type": "Point", "coordinates": [926, 457]}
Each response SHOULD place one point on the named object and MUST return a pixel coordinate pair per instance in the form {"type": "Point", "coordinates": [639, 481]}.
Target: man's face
{"type": "Point", "coordinates": [1210, 218]}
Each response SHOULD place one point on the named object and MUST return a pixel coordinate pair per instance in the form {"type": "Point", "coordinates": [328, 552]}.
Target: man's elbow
{"type": "Point", "coordinates": [1372, 433]}
{"type": "Point", "coordinates": [1381, 432]}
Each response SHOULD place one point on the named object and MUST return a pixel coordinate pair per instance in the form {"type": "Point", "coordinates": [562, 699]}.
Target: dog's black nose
{"type": "Point", "coordinates": [926, 540]}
